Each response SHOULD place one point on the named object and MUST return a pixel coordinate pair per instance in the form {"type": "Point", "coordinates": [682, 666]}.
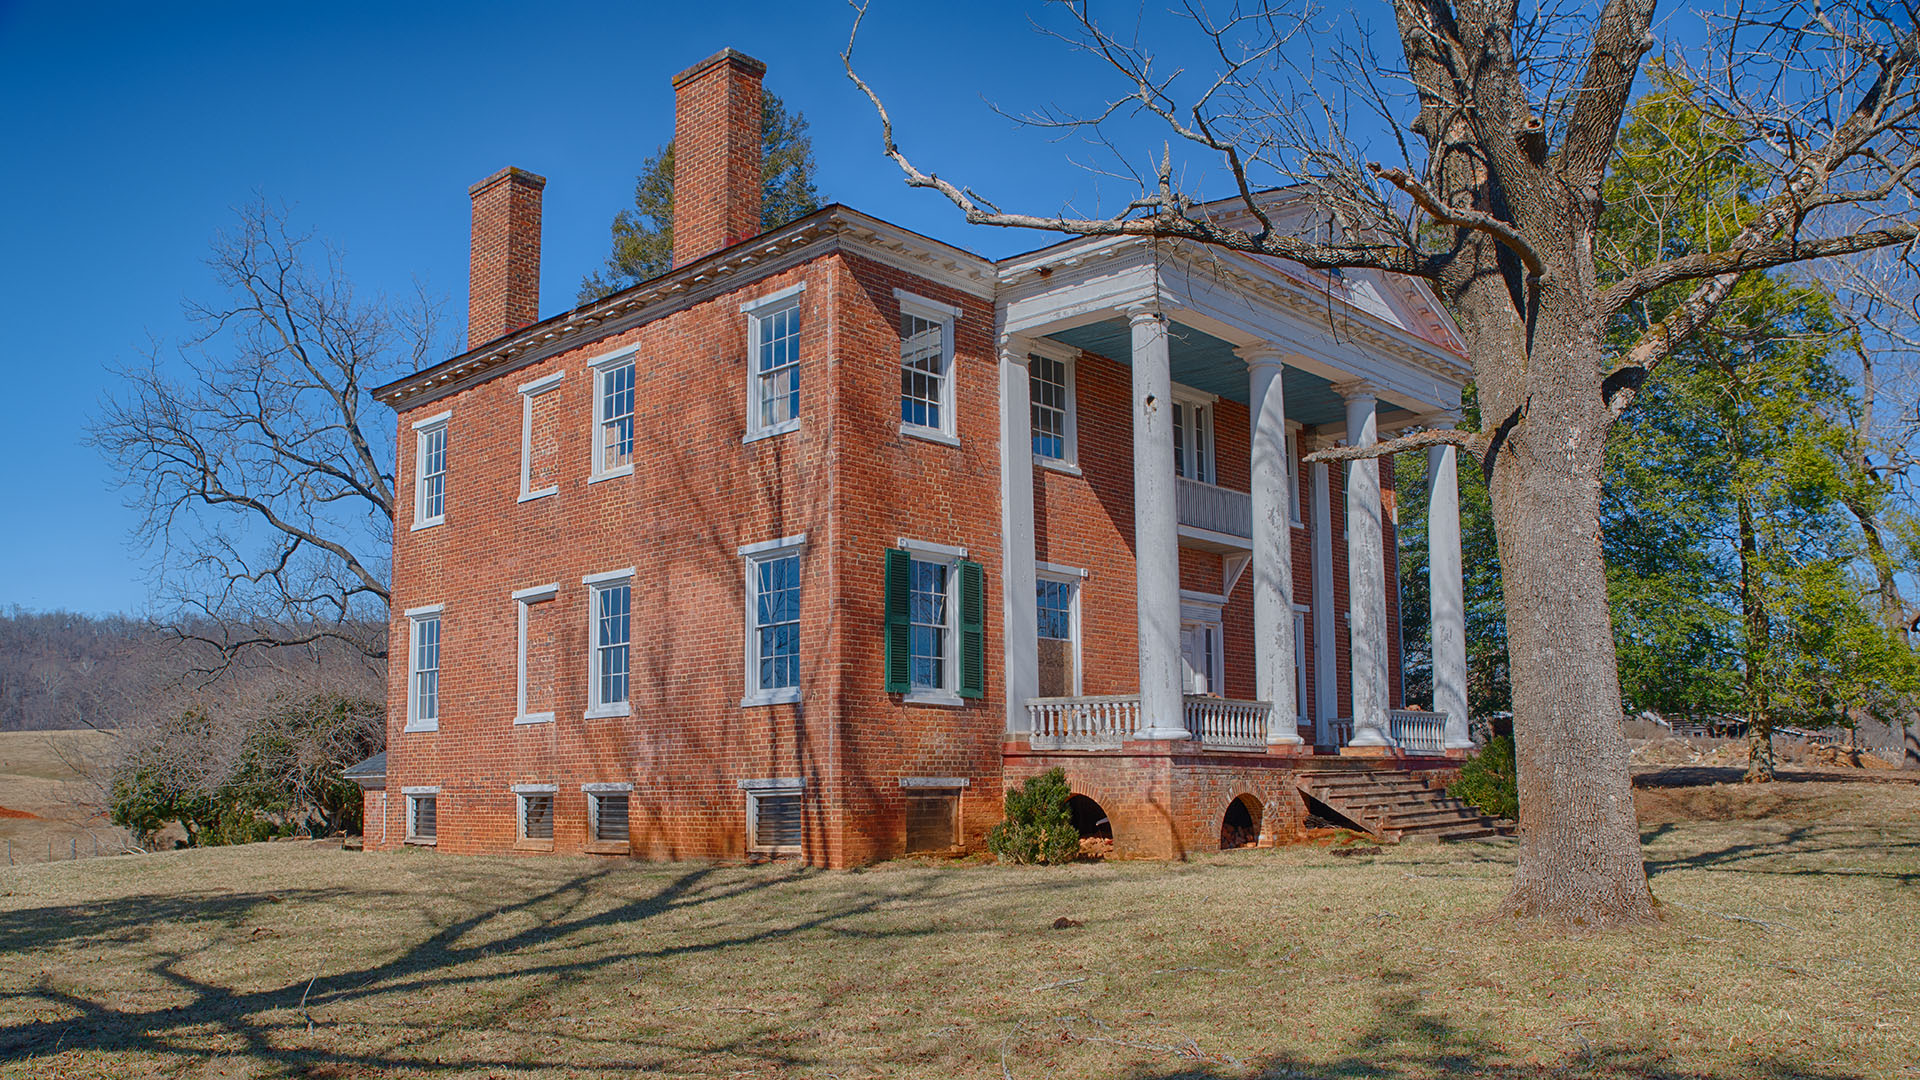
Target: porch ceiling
{"type": "Point", "coordinates": [1207, 363]}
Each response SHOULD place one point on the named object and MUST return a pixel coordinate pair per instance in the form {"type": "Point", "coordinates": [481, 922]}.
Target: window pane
{"type": "Point", "coordinates": [927, 612]}
{"type": "Point", "coordinates": [1180, 466]}
{"type": "Point", "coordinates": [426, 669]}
{"type": "Point", "coordinates": [923, 371]}
{"type": "Point", "coordinates": [1047, 381]}
{"type": "Point", "coordinates": [611, 642]}
{"type": "Point", "coordinates": [1056, 610]}
{"type": "Point", "coordinates": [777, 618]}
{"type": "Point", "coordinates": [616, 417]}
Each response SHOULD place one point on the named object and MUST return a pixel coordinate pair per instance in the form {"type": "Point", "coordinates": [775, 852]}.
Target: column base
{"type": "Point", "coordinates": [1163, 734]}
{"type": "Point", "coordinates": [1291, 739]}
{"type": "Point", "coordinates": [1380, 750]}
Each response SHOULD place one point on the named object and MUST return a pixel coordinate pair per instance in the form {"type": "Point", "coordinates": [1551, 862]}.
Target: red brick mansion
{"type": "Point", "coordinates": [811, 545]}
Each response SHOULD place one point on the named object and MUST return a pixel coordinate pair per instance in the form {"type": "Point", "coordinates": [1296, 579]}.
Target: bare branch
{"type": "Point", "coordinates": [1400, 444]}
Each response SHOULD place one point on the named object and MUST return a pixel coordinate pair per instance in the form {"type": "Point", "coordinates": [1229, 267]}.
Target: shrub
{"type": "Point", "coordinates": [1037, 828]}
{"type": "Point", "coordinates": [1487, 780]}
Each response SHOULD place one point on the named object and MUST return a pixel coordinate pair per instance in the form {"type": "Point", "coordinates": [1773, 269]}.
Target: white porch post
{"type": "Point", "coordinates": [1366, 574]}
{"type": "Point", "coordinates": [1447, 594]}
{"type": "Point", "coordinates": [1156, 536]}
{"type": "Point", "coordinates": [1019, 614]}
{"type": "Point", "coordinates": [1326, 662]}
{"type": "Point", "coordinates": [1272, 567]}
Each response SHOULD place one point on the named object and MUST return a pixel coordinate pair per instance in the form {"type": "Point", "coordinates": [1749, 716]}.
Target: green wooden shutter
{"type": "Point", "coordinates": [899, 625]}
{"type": "Point", "coordinates": [973, 630]}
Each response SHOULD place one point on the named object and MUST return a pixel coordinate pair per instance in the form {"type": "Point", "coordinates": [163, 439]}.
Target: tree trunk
{"type": "Point", "coordinates": [1579, 840]}
{"type": "Point", "coordinates": [1753, 613]}
{"type": "Point", "coordinates": [1759, 751]}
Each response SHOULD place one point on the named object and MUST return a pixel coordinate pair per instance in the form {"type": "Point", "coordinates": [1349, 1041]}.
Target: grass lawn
{"type": "Point", "coordinates": [47, 808]}
{"type": "Point", "coordinates": [1791, 948]}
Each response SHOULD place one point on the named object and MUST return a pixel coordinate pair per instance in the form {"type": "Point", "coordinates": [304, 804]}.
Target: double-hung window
{"type": "Point", "coordinates": [1050, 382]}
{"type": "Point", "coordinates": [936, 633]}
{"type": "Point", "coordinates": [773, 363]}
{"type": "Point", "coordinates": [773, 620]}
{"type": "Point", "coordinates": [1057, 618]}
{"type": "Point", "coordinates": [1193, 438]}
{"type": "Point", "coordinates": [610, 641]}
{"type": "Point", "coordinates": [613, 414]}
{"type": "Point", "coordinates": [423, 668]}
{"type": "Point", "coordinates": [1293, 476]}
{"type": "Point", "coordinates": [926, 367]}
{"type": "Point", "coordinates": [430, 471]}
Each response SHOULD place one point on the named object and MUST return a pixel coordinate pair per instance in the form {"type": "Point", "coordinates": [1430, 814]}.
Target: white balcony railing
{"type": "Point", "coordinates": [1215, 509]}
{"type": "Point", "coordinates": [1417, 732]}
{"type": "Point", "coordinates": [1102, 722]}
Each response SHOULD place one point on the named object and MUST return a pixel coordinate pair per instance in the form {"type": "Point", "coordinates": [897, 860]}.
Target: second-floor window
{"type": "Point", "coordinates": [926, 367]}
{"type": "Point", "coordinates": [1193, 441]}
{"type": "Point", "coordinates": [430, 471]}
{"type": "Point", "coordinates": [1051, 383]}
{"type": "Point", "coordinates": [773, 364]}
{"type": "Point", "coordinates": [613, 415]}
{"type": "Point", "coordinates": [611, 611]}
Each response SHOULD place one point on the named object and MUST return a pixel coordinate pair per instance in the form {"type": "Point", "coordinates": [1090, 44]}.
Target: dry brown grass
{"type": "Point", "coordinates": [57, 811]}
{"type": "Point", "coordinates": [1791, 948]}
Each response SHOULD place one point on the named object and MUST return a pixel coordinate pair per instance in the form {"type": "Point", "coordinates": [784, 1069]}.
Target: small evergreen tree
{"type": "Point", "coordinates": [1488, 781]}
{"type": "Point", "coordinates": [1037, 828]}
{"type": "Point", "coordinates": [643, 234]}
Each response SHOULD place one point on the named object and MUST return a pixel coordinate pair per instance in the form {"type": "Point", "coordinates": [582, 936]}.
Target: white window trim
{"type": "Point", "coordinates": [422, 429]}
{"type": "Point", "coordinates": [414, 615]}
{"type": "Point", "coordinates": [754, 789]}
{"type": "Point", "coordinates": [1069, 576]}
{"type": "Point", "coordinates": [1302, 616]}
{"type": "Point", "coordinates": [751, 556]}
{"type": "Point", "coordinates": [935, 783]}
{"type": "Point", "coordinates": [1070, 435]}
{"type": "Point", "coordinates": [1294, 516]}
{"type": "Point", "coordinates": [597, 710]}
{"type": "Point", "coordinates": [1200, 399]}
{"type": "Point", "coordinates": [523, 600]}
{"type": "Point", "coordinates": [520, 793]}
{"type": "Point", "coordinates": [948, 695]}
{"type": "Point", "coordinates": [529, 391]}
{"type": "Point", "coordinates": [946, 315]}
{"type": "Point", "coordinates": [408, 810]}
{"type": "Point", "coordinates": [756, 312]}
{"type": "Point", "coordinates": [593, 793]}
{"type": "Point", "coordinates": [600, 366]}
{"type": "Point", "coordinates": [1206, 608]}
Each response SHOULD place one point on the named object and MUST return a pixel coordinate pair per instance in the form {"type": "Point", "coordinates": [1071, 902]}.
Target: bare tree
{"type": "Point", "coordinates": [262, 470]}
{"type": "Point", "coordinates": [1499, 122]}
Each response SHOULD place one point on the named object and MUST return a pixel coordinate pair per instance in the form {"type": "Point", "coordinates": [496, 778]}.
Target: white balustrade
{"type": "Point", "coordinates": [1224, 722]}
{"type": "Point", "coordinates": [1341, 728]}
{"type": "Point", "coordinates": [1418, 732]}
{"type": "Point", "coordinates": [1083, 723]}
{"type": "Point", "coordinates": [1215, 509]}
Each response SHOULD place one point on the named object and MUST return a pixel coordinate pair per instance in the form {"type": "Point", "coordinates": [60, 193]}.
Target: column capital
{"type": "Point", "coordinates": [1015, 349]}
{"type": "Point", "coordinates": [1143, 311]}
{"type": "Point", "coordinates": [1355, 389]}
{"type": "Point", "coordinates": [1261, 354]}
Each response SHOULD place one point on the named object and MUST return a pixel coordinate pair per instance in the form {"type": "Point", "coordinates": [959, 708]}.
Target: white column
{"type": "Point", "coordinates": [1272, 565]}
{"type": "Point", "coordinates": [1366, 574]}
{"type": "Point", "coordinates": [1326, 660]}
{"type": "Point", "coordinates": [1447, 594]}
{"type": "Point", "coordinates": [1019, 613]}
{"type": "Point", "coordinates": [1156, 537]}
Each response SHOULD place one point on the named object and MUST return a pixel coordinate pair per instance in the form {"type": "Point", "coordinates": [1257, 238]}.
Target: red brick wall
{"type": "Point", "coordinates": [716, 155]}
{"type": "Point", "coordinates": [503, 284]}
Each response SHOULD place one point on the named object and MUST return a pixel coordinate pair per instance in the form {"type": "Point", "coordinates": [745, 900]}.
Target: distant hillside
{"type": "Point", "coordinates": [62, 670]}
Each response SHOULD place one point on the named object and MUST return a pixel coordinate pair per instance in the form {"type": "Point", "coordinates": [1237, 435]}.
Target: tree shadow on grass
{"type": "Point", "coordinates": [504, 959]}
{"type": "Point", "coordinates": [1774, 855]}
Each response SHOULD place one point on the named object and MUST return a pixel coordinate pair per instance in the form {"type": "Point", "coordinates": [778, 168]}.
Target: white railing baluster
{"type": "Point", "coordinates": [1417, 732]}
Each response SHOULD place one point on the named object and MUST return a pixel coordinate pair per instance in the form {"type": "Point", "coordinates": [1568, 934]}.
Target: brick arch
{"type": "Point", "coordinates": [1241, 820]}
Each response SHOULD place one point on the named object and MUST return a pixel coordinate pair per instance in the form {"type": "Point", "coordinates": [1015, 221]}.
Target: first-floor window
{"type": "Point", "coordinates": [773, 620]}
{"type": "Point", "coordinates": [936, 632]}
{"type": "Point", "coordinates": [1300, 663]}
{"type": "Point", "coordinates": [611, 629]}
{"type": "Point", "coordinates": [423, 672]}
{"type": "Point", "coordinates": [607, 816]}
{"type": "Point", "coordinates": [536, 815]}
{"type": "Point", "coordinates": [423, 819]}
{"type": "Point", "coordinates": [774, 824]}
{"type": "Point", "coordinates": [932, 624]}
{"type": "Point", "coordinates": [1058, 597]}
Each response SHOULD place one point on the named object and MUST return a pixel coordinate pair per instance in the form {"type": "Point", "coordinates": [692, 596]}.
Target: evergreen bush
{"type": "Point", "coordinates": [1037, 828]}
{"type": "Point", "coordinates": [1487, 780]}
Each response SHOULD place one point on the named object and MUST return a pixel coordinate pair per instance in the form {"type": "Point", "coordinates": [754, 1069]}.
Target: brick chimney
{"type": "Point", "coordinates": [716, 154]}
{"type": "Point", "coordinates": [503, 284]}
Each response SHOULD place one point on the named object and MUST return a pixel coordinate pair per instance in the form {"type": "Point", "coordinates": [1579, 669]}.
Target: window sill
{"type": "Point", "coordinates": [933, 697]}
{"type": "Point", "coordinates": [415, 727]}
{"type": "Point", "coordinates": [422, 841]}
{"type": "Point", "coordinates": [533, 845]}
{"type": "Point", "coordinates": [607, 847]}
{"type": "Point", "coordinates": [1298, 524]}
{"type": "Point", "coordinates": [533, 718]}
{"type": "Point", "coordinates": [604, 712]}
{"type": "Point", "coordinates": [1059, 465]}
{"type": "Point", "coordinates": [773, 852]}
{"type": "Point", "coordinates": [418, 525]}
{"type": "Point", "coordinates": [611, 474]}
{"type": "Point", "coordinates": [768, 433]}
{"type": "Point", "coordinates": [933, 435]}
{"type": "Point", "coordinates": [789, 696]}
{"type": "Point", "coordinates": [541, 494]}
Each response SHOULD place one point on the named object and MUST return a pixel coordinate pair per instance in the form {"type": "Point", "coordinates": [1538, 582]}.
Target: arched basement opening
{"type": "Point", "coordinates": [1089, 820]}
{"type": "Point", "coordinates": [1240, 827]}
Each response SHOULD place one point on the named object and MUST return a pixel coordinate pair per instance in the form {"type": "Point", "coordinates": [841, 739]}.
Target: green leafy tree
{"type": "Point", "coordinates": [643, 234]}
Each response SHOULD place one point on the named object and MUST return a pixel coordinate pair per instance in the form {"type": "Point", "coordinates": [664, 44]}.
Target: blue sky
{"type": "Point", "coordinates": [133, 129]}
